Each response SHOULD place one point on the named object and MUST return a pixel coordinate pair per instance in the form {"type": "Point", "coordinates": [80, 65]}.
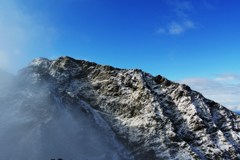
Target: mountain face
{"type": "Point", "coordinates": [74, 109]}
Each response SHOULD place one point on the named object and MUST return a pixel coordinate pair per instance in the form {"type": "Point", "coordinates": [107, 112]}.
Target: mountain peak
{"type": "Point", "coordinates": [153, 117]}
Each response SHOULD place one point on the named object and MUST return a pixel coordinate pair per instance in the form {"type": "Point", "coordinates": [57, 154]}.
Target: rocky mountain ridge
{"type": "Point", "coordinates": [153, 118]}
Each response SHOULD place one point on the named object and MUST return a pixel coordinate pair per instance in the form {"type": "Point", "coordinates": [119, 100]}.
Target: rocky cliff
{"type": "Point", "coordinates": [151, 117]}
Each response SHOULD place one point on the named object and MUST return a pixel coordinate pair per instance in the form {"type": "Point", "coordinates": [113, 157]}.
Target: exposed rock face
{"type": "Point", "coordinates": [153, 117]}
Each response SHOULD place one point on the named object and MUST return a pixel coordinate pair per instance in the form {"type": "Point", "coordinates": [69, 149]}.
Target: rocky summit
{"type": "Point", "coordinates": [143, 117]}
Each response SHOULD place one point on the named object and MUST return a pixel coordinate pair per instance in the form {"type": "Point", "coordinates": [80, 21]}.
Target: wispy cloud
{"type": "Point", "coordinates": [179, 19]}
{"type": "Point", "coordinates": [181, 8]}
{"type": "Point", "coordinates": [232, 78]}
{"type": "Point", "coordinates": [19, 30]}
{"type": "Point", "coordinates": [177, 28]}
{"type": "Point", "coordinates": [224, 88]}
{"type": "Point", "coordinates": [210, 4]}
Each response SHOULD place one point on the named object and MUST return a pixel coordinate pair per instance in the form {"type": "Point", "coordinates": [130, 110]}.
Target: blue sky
{"type": "Point", "coordinates": [188, 41]}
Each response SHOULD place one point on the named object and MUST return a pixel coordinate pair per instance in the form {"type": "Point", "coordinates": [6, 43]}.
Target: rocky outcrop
{"type": "Point", "coordinates": [153, 117]}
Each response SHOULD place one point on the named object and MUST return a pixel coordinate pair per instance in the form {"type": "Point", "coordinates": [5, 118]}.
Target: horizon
{"type": "Point", "coordinates": [183, 40]}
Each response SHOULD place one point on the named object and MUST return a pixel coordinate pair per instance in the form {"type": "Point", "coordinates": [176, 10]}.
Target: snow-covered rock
{"type": "Point", "coordinates": [151, 117]}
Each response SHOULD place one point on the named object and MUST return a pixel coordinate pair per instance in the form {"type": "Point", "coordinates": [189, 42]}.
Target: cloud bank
{"type": "Point", "coordinates": [223, 88]}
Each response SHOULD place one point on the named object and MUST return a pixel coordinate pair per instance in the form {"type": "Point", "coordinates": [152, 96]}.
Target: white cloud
{"type": "Point", "coordinates": [181, 8]}
{"type": "Point", "coordinates": [228, 78]}
{"type": "Point", "coordinates": [180, 20]}
{"type": "Point", "coordinates": [224, 89]}
{"type": "Point", "coordinates": [19, 31]}
{"type": "Point", "coordinates": [175, 28]}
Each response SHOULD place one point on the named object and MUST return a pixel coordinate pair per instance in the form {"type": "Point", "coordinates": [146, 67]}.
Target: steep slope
{"type": "Point", "coordinates": [37, 124]}
{"type": "Point", "coordinates": [153, 117]}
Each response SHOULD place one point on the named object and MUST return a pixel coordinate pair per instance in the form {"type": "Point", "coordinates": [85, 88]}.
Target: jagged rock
{"type": "Point", "coordinates": [153, 117]}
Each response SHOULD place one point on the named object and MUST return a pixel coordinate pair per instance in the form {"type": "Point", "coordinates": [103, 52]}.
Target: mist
{"type": "Point", "coordinates": [22, 33]}
{"type": "Point", "coordinates": [36, 124]}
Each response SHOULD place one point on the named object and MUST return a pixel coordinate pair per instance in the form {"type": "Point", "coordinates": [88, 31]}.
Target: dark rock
{"type": "Point", "coordinates": [154, 117]}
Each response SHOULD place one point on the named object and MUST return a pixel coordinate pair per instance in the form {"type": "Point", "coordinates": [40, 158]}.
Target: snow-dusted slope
{"type": "Point", "coordinates": [146, 117]}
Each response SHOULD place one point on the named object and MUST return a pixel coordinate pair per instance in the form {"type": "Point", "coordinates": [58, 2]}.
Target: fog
{"type": "Point", "coordinates": [36, 124]}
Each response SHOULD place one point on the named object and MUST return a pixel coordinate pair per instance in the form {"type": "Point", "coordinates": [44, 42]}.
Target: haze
{"type": "Point", "coordinates": [34, 124]}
